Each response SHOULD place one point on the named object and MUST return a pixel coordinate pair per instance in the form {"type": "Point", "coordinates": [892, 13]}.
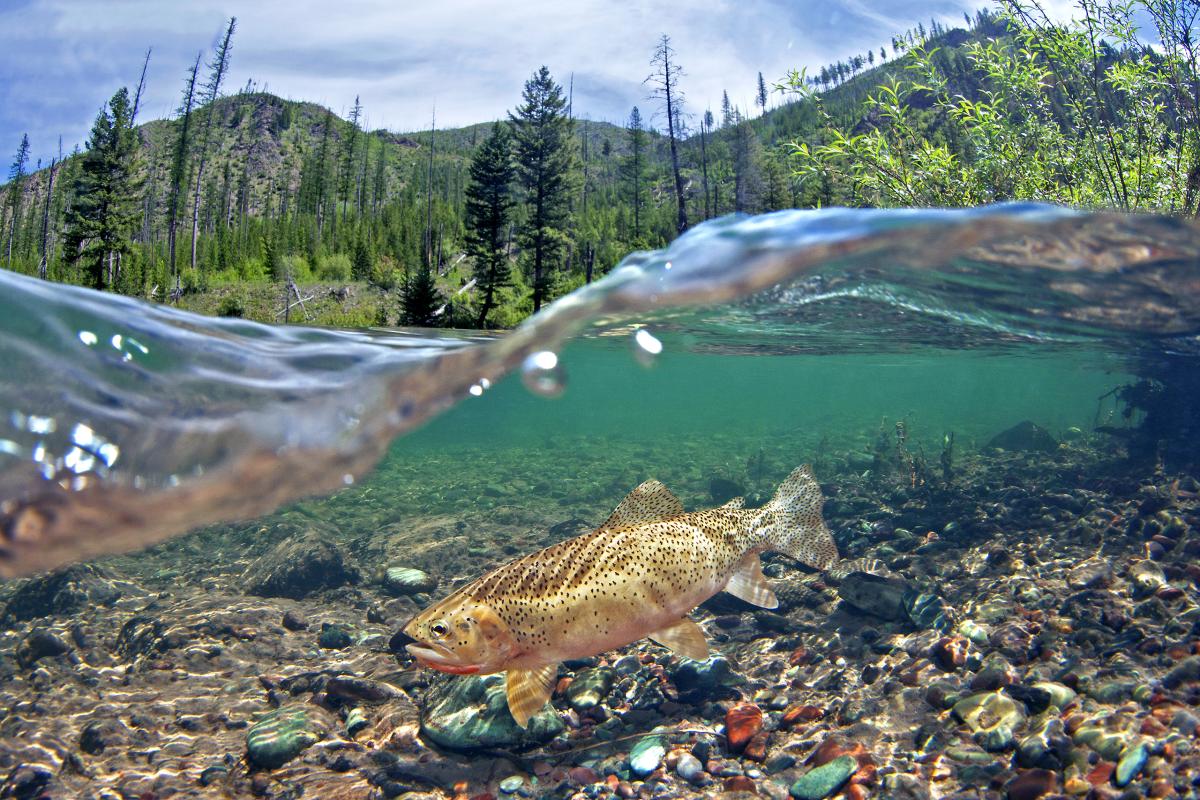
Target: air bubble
{"type": "Point", "coordinates": [543, 374]}
{"type": "Point", "coordinates": [646, 347]}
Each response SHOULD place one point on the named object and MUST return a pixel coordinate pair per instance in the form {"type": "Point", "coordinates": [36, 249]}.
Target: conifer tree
{"type": "Point", "coordinates": [545, 163]}
{"type": "Point", "coordinates": [44, 256]}
{"type": "Point", "coordinates": [363, 262]}
{"type": "Point", "coordinates": [760, 96]}
{"type": "Point", "coordinates": [488, 208]}
{"type": "Point", "coordinates": [16, 187]}
{"type": "Point", "coordinates": [726, 110]}
{"type": "Point", "coordinates": [351, 145]}
{"type": "Point", "coordinates": [106, 196]}
{"type": "Point", "coordinates": [179, 165]}
{"type": "Point", "coordinates": [634, 168]}
{"type": "Point", "coordinates": [666, 86]}
{"type": "Point", "coordinates": [420, 299]}
{"type": "Point", "coordinates": [212, 90]}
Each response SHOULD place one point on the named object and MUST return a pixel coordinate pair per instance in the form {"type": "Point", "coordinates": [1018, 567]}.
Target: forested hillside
{"type": "Point", "coordinates": [242, 200]}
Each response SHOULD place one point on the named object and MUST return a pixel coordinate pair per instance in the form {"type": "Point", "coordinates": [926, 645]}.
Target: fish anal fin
{"type": "Point", "coordinates": [684, 637]}
{"type": "Point", "coordinates": [649, 502]}
{"type": "Point", "coordinates": [528, 690]}
{"type": "Point", "coordinates": [748, 583]}
{"type": "Point", "coordinates": [734, 504]}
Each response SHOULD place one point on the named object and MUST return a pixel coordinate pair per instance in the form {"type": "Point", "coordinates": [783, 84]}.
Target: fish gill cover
{"type": "Point", "coordinates": [125, 422]}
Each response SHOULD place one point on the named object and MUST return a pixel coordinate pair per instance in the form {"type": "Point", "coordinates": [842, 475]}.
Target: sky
{"type": "Point", "coordinates": [60, 60]}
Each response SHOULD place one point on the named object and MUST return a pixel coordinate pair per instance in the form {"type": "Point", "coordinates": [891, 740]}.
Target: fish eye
{"type": "Point", "coordinates": [439, 629]}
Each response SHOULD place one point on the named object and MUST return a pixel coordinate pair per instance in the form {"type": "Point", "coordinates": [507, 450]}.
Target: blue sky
{"type": "Point", "coordinates": [61, 59]}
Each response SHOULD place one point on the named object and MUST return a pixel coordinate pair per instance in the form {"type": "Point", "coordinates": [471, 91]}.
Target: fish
{"type": "Point", "coordinates": [636, 576]}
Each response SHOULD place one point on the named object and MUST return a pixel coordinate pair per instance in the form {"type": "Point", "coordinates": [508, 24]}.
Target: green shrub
{"type": "Point", "coordinates": [334, 268]}
{"type": "Point", "coordinates": [233, 305]}
{"type": "Point", "coordinates": [297, 266]}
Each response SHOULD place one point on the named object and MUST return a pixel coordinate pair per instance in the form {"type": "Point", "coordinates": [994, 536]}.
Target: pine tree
{"type": "Point", "coordinates": [212, 90]}
{"type": "Point", "coordinates": [545, 166]}
{"type": "Point", "coordinates": [107, 189]}
{"type": "Point", "coordinates": [760, 97]}
{"type": "Point", "coordinates": [635, 168]}
{"type": "Point", "coordinates": [16, 188]}
{"type": "Point", "coordinates": [705, 128]}
{"type": "Point", "coordinates": [363, 262]}
{"type": "Point", "coordinates": [488, 208]}
{"type": "Point", "coordinates": [666, 86]}
{"type": "Point", "coordinates": [726, 110]}
{"type": "Point", "coordinates": [351, 147]}
{"type": "Point", "coordinates": [420, 299]}
{"type": "Point", "coordinates": [179, 165]}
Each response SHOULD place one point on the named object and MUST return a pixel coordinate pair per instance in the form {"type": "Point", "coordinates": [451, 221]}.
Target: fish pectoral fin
{"type": "Point", "coordinates": [528, 690]}
{"type": "Point", "coordinates": [649, 502]}
{"type": "Point", "coordinates": [748, 583]}
{"type": "Point", "coordinates": [684, 637]}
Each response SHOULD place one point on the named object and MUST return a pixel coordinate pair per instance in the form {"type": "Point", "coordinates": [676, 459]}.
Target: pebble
{"type": "Point", "coordinates": [1031, 784]}
{"type": "Point", "coordinates": [334, 636]}
{"type": "Point", "coordinates": [408, 581]}
{"type": "Point", "coordinates": [647, 754]}
{"type": "Point", "coordinates": [823, 781]}
{"type": "Point", "coordinates": [1130, 765]}
{"type": "Point", "coordinates": [589, 688]}
{"type": "Point", "coordinates": [690, 769]}
{"type": "Point", "coordinates": [512, 784]}
{"type": "Point", "coordinates": [742, 722]}
{"type": "Point", "coordinates": [40, 643]}
{"type": "Point", "coordinates": [279, 737]}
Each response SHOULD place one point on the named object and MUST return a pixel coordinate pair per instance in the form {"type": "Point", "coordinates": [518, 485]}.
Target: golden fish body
{"type": "Point", "coordinates": [637, 575]}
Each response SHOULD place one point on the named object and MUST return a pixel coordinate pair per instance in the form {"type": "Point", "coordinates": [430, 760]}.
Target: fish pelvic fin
{"type": "Point", "coordinates": [683, 637]}
{"type": "Point", "coordinates": [791, 522]}
{"type": "Point", "coordinates": [649, 502]}
{"type": "Point", "coordinates": [748, 583]}
{"type": "Point", "coordinates": [528, 691]}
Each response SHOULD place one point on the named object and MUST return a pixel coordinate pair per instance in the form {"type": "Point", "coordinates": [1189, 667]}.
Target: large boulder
{"type": "Point", "coordinates": [63, 592]}
{"type": "Point", "coordinates": [298, 567]}
{"type": "Point", "coordinates": [1024, 436]}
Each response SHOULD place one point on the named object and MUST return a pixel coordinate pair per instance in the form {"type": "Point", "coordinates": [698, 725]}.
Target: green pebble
{"type": "Point", "coordinates": [512, 784]}
{"type": "Point", "coordinates": [1130, 765]}
{"type": "Point", "coordinates": [355, 721]}
{"type": "Point", "coordinates": [825, 779]}
{"type": "Point", "coordinates": [647, 754]}
{"type": "Point", "coordinates": [279, 737]}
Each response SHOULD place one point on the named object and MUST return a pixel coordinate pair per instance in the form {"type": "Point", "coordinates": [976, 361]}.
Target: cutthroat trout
{"type": "Point", "coordinates": [636, 576]}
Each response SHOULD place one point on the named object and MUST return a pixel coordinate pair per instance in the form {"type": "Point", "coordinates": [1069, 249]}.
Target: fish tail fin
{"type": "Point", "coordinates": [791, 522]}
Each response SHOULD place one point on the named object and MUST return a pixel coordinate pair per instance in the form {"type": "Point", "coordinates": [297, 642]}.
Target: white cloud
{"type": "Point", "coordinates": [60, 59]}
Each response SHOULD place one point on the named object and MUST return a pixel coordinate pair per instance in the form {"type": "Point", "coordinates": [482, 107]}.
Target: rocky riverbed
{"type": "Point", "coordinates": [1025, 624]}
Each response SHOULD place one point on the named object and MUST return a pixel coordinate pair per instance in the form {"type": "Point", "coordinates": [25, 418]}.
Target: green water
{"type": "Point", "coordinates": [711, 412]}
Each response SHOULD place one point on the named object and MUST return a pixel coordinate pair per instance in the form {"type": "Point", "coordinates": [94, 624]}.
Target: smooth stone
{"type": "Point", "coordinates": [589, 688]}
{"type": "Point", "coordinates": [1111, 692]}
{"type": "Point", "coordinates": [40, 643]}
{"type": "Point", "coordinates": [1031, 784]}
{"type": "Point", "coordinates": [512, 784]}
{"type": "Point", "coordinates": [471, 713]}
{"type": "Point", "coordinates": [1185, 671]}
{"type": "Point", "coordinates": [102, 733]}
{"type": "Point", "coordinates": [334, 637]}
{"type": "Point", "coordinates": [875, 595]}
{"type": "Point", "coordinates": [1024, 436]}
{"type": "Point", "coordinates": [356, 720]}
{"type": "Point", "coordinates": [704, 677]}
{"type": "Point", "coordinates": [824, 780]}
{"type": "Point", "coordinates": [1049, 748]}
{"type": "Point", "coordinates": [408, 580]}
{"type": "Point", "coordinates": [988, 710]}
{"type": "Point", "coordinates": [349, 687]}
{"type": "Point", "coordinates": [298, 567]}
{"type": "Point", "coordinates": [1130, 765]}
{"type": "Point", "coordinates": [279, 737]}
{"type": "Point", "coordinates": [647, 754]}
{"type": "Point", "coordinates": [1147, 578]}
{"type": "Point", "coordinates": [690, 769]}
{"type": "Point", "coordinates": [1060, 696]}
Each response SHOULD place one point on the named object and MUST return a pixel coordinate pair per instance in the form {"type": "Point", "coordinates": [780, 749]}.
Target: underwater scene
{"type": "Point", "coordinates": [820, 504]}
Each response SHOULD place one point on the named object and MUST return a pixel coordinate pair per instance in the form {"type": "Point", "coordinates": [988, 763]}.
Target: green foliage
{"type": "Point", "coordinates": [489, 206]}
{"type": "Point", "coordinates": [335, 267]}
{"type": "Point", "coordinates": [420, 299]}
{"type": "Point", "coordinates": [233, 305]}
{"type": "Point", "coordinates": [363, 265]}
{"type": "Point", "coordinates": [545, 155]}
{"type": "Point", "coordinates": [105, 211]}
{"type": "Point", "coordinates": [1085, 114]}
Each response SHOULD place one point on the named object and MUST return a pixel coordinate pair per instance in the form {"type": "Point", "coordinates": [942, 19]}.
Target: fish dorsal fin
{"type": "Point", "coordinates": [748, 583]}
{"type": "Point", "coordinates": [528, 690]}
{"type": "Point", "coordinates": [734, 504]}
{"type": "Point", "coordinates": [649, 502]}
{"type": "Point", "coordinates": [684, 637]}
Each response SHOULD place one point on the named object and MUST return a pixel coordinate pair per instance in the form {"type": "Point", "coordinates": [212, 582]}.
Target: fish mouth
{"type": "Point", "coordinates": [435, 656]}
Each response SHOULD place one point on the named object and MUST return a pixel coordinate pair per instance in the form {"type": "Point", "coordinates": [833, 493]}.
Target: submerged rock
{"type": "Point", "coordinates": [40, 643]}
{"type": "Point", "coordinates": [647, 754]}
{"type": "Point", "coordinates": [1024, 436]}
{"type": "Point", "coordinates": [589, 688]}
{"type": "Point", "coordinates": [334, 636]}
{"type": "Point", "coordinates": [471, 713]}
{"type": "Point", "coordinates": [296, 568]}
{"type": "Point", "coordinates": [875, 595]}
{"type": "Point", "coordinates": [63, 592]}
{"type": "Point", "coordinates": [824, 780]}
{"type": "Point", "coordinates": [408, 581]}
{"type": "Point", "coordinates": [279, 737]}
